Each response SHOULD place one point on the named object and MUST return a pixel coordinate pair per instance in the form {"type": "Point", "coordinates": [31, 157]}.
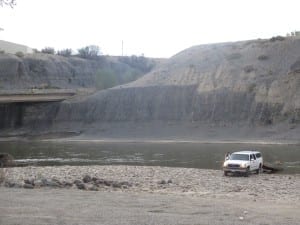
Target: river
{"type": "Point", "coordinates": [193, 155]}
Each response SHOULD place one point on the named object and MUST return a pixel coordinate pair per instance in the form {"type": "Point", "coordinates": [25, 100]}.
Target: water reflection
{"type": "Point", "coordinates": [155, 154]}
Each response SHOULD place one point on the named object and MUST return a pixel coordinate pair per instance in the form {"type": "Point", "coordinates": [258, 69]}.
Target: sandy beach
{"type": "Point", "coordinates": [166, 195]}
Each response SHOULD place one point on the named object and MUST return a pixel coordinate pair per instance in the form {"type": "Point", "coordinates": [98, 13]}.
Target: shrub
{"type": "Point", "coordinates": [48, 50]}
{"type": "Point", "coordinates": [65, 52]}
{"type": "Point", "coordinates": [277, 38]}
{"type": "Point", "coordinates": [89, 52]}
{"type": "Point", "coordinates": [248, 69]}
{"type": "Point", "coordinates": [139, 62]}
{"type": "Point", "coordinates": [19, 54]}
{"type": "Point", "coordinates": [262, 57]}
{"type": "Point", "coordinates": [106, 78]}
{"type": "Point", "coordinates": [2, 51]}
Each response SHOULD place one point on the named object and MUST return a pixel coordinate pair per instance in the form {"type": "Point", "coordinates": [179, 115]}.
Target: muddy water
{"type": "Point", "coordinates": [209, 156]}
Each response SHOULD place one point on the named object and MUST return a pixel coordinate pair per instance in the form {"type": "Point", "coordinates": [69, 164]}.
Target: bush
{"type": "Point", "coordinates": [106, 78]}
{"type": "Point", "coordinates": [262, 57]}
{"type": "Point", "coordinates": [139, 62]}
{"type": "Point", "coordinates": [277, 38]}
{"type": "Point", "coordinates": [248, 69]}
{"type": "Point", "coordinates": [48, 50]}
{"type": "Point", "coordinates": [89, 52]}
{"type": "Point", "coordinates": [65, 52]}
{"type": "Point", "coordinates": [2, 51]}
{"type": "Point", "coordinates": [19, 54]}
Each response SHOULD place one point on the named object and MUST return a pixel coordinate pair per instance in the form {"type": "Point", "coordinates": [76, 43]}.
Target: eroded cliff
{"type": "Point", "coordinates": [253, 84]}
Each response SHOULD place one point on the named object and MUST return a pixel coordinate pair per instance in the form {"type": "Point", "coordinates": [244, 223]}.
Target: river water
{"type": "Point", "coordinates": [195, 155]}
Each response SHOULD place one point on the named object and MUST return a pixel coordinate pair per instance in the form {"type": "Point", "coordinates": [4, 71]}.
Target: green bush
{"type": "Point", "coordinates": [65, 52]}
{"type": "Point", "coordinates": [89, 52]}
{"type": "Point", "coordinates": [106, 78]}
{"type": "Point", "coordinates": [19, 54]}
{"type": "Point", "coordinates": [48, 50]}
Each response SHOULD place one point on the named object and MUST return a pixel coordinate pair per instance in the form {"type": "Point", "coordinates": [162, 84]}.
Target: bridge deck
{"type": "Point", "coordinates": [36, 96]}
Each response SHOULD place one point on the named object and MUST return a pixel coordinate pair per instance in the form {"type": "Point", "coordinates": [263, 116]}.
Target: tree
{"type": "Point", "coordinates": [89, 52]}
{"type": "Point", "coordinates": [65, 52]}
{"type": "Point", "coordinates": [10, 3]}
{"type": "Point", "coordinates": [48, 50]}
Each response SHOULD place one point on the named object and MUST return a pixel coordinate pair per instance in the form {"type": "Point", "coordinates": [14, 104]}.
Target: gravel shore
{"type": "Point", "coordinates": [134, 195]}
{"type": "Point", "coordinates": [155, 180]}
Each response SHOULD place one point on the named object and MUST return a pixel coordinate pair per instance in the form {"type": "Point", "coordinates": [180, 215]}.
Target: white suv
{"type": "Point", "coordinates": [243, 162]}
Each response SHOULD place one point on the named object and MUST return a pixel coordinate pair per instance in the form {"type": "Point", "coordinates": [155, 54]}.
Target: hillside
{"type": "Point", "coordinates": [46, 71]}
{"type": "Point", "coordinates": [225, 91]}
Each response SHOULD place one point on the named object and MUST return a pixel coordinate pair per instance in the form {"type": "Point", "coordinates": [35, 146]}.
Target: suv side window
{"type": "Point", "coordinates": [254, 157]}
{"type": "Point", "coordinates": [251, 157]}
{"type": "Point", "coordinates": [258, 155]}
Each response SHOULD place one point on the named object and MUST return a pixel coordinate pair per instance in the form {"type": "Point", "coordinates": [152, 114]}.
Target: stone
{"type": "Point", "coordinates": [116, 184]}
{"type": "Point", "coordinates": [77, 182]}
{"type": "Point", "coordinates": [39, 183]}
{"type": "Point", "coordinates": [81, 186]}
{"type": "Point", "coordinates": [108, 183]}
{"type": "Point", "coordinates": [162, 182]}
{"type": "Point", "coordinates": [29, 181]}
{"type": "Point", "coordinates": [67, 184]}
{"type": "Point", "coordinates": [93, 188]}
{"type": "Point", "coordinates": [87, 179]}
{"type": "Point", "coordinates": [99, 181]}
{"type": "Point", "coordinates": [28, 186]}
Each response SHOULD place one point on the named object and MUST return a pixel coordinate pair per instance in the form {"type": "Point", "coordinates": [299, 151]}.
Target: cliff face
{"type": "Point", "coordinates": [254, 83]}
{"type": "Point", "coordinates": [46, 71]}
{"type": "Point", "coordinates": [257, 82]}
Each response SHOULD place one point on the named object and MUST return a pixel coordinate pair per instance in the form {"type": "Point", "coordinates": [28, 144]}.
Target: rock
{"type": "Point", "coordinates": [93, 188]}
{"type": "Point", "coordinates": [116, 184]}
{"type": "Point", "coordinates": [39, 183]}
{"type": "Point", "coordinates": [81, 186]}
{"type": "Point", "coordinates": [98, 181]}
{"type": "Point", "coordinates": [54, 180]}
{"type": "Point", "coordinates": [51, 183]}
{"type": "Point", "coordinates": [87, 179]}
{"type": "Point", "coordinates": [77, 182]}
{"type": "Point", "coordinates": [108, 183]}
{"type": "Point", "coordinates": [29, 181]}
{"type": "Point", "coordinates": [67, 184]}
{"type": "Point", "coordinates": [162, 182]}
{"type": "Point", "coordinates": [28, 186]}
{"type": "Point", "coordinates": [6, 160]}
{"type": "Point", "coordinates": [10, 184]}
{"type": "Point", "coordinates": [126, 184]}
{"type": "Point", "coordinates": [170, 181]}
{"type": "Point", "coordinates": [241, 218]}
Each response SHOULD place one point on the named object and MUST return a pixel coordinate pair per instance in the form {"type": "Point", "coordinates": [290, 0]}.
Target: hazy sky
{"type": "Point", "coordinates": [155, 28]}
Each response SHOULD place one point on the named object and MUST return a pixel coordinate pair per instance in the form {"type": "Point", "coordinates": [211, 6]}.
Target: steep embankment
{"type": "Point", "coordinates": [46, 71]}
{"type": "Point", "coordinates": [241, 90]}
{"type": "Point", "coordinates": [254, 84]}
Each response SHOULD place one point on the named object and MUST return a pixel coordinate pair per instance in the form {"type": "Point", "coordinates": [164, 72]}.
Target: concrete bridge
{"type": "Point", "coordinates": [36, 95]}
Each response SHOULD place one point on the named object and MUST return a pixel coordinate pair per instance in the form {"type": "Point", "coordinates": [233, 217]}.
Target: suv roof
{"type": "Point", "coordinates": [246, 152]}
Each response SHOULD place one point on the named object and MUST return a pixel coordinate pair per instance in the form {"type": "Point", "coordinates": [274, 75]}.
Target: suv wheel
{"type": "Point", "coordinates": [258, 170]}
{"type": "Point", "coordinates": [247, 172]}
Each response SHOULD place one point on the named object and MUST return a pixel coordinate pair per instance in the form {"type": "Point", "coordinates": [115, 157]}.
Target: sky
{"type": "Point", "coordinates": [154, 28]}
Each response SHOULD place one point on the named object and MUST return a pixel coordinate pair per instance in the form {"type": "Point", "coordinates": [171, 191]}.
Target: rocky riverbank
{"type": "Point", "coordinates": [139, 179]}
